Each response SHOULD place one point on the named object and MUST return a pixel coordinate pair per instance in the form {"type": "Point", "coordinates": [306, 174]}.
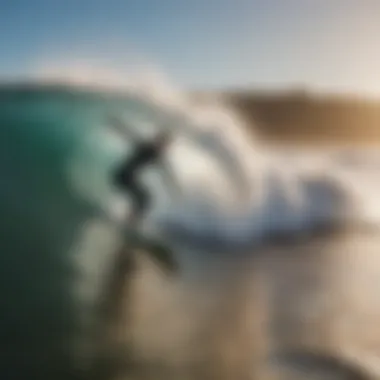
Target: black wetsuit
{"type": "Point", "coordinates": [125, 177]}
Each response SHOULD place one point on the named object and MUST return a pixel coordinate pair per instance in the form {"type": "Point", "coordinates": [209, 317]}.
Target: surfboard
{"type": "Point", "coordinates": [157, 249]}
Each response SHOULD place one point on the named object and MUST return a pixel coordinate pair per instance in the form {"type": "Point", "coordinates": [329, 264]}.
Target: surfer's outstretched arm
{"type": "Point", "coordinates": [125, 130]}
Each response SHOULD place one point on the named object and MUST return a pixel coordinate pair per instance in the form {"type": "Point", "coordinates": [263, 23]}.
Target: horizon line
{"type": "Point", "coordinates": [306, 91]}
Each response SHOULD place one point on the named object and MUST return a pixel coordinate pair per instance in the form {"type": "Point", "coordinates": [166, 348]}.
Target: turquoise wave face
{"type": "Point", "coordinates": [41, 219]}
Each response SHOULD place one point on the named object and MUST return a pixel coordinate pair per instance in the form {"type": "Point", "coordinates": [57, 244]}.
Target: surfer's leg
{"type": "Point", "coordinates": [125, 179]}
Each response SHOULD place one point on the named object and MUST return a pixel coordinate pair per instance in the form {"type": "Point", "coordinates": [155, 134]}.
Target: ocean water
{"type": "Point", "coordinates": [56, 159]}
{"type": "Point", "coordinates": [41, 219]}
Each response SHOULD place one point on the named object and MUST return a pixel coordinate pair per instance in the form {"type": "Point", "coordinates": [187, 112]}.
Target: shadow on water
{"type": "Point", "coordinates": [320, 365]}
{"type": "Point", "coordinates": [324, 307]}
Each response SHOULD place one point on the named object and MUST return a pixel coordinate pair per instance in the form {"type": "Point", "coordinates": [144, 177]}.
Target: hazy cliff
{"type": "Point", "coordinates": [298, 116]}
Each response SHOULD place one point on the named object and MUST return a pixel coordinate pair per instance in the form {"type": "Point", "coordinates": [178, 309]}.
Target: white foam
{"type": "Point", "coordinates": [290, 190]}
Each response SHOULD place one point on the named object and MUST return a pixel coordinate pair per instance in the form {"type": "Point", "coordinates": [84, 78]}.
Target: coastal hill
{"type": "Point", "coordinates": [306, 118]}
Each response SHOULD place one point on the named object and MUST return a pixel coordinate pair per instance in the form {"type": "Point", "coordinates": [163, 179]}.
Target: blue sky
{"type": "Point", "coordinates": [323, 44]}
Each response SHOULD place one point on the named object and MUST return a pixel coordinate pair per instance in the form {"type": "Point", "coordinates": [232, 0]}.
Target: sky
{"type": "Point", "coordinates": [328, 45]}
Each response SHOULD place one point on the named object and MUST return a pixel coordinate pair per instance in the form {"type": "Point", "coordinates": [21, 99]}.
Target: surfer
{"type": "Point", "coordinates": [145, 153]}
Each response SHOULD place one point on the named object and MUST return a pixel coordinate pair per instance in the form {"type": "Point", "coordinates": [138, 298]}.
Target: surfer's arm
{"type": "Point", "coordinates": [126, 131]}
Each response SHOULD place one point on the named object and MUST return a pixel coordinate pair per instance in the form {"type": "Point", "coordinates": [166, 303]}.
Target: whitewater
{"type": "Point", "coordinates": [243, 191]}
{"type": "Point", "coordinates": [304, 186]}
